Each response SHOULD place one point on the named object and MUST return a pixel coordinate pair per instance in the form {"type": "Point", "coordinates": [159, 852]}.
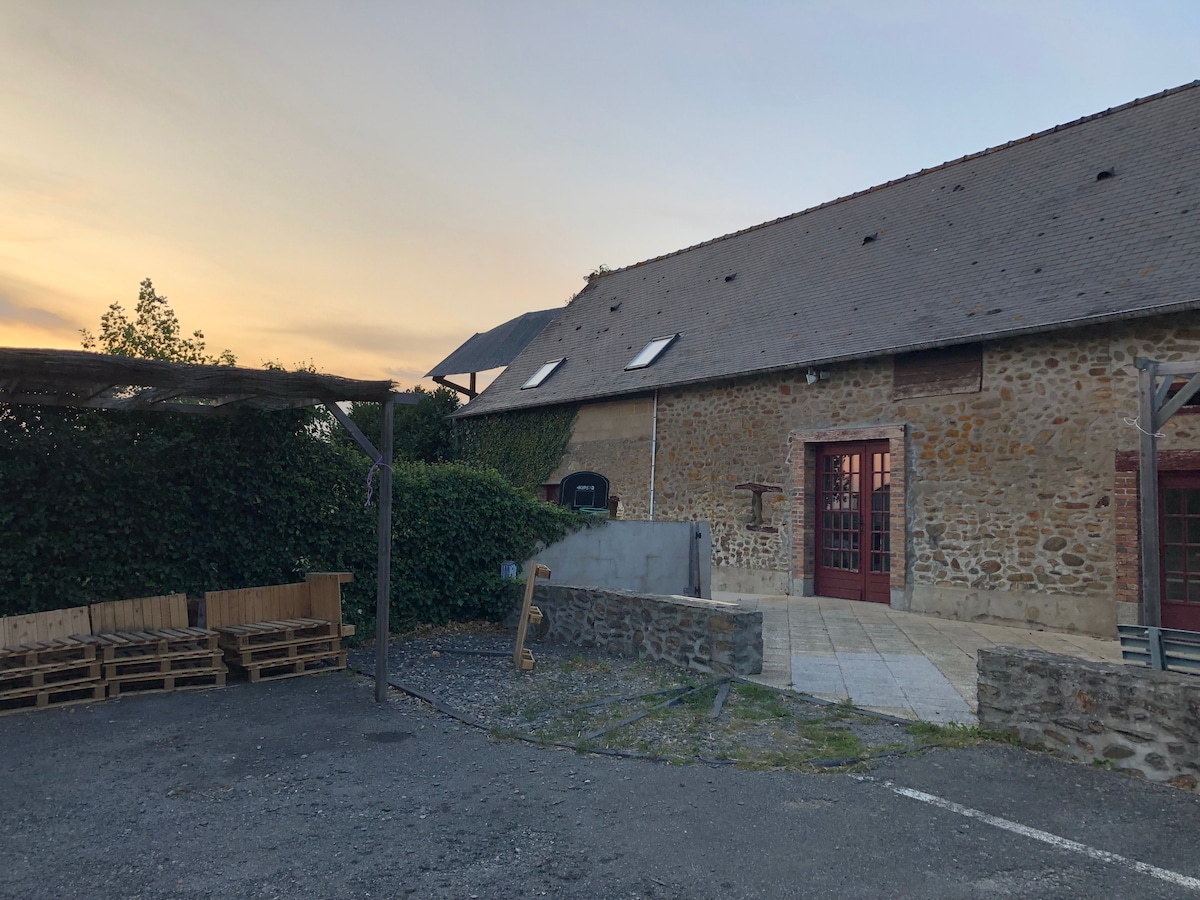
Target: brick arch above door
{"type": "Point", "coordinates": [802, 464]}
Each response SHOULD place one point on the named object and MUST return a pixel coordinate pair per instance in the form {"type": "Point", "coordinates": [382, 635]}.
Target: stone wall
{"type": "Point", "coordinates": [1013, 506]}
{"type": "Point", "coordinates": [1138, 720]}
{"type": "Point", "coordinates": [701, 635]}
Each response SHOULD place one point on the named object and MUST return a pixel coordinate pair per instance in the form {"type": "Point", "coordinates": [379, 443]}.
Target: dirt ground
{"type": "Point", "coordinates": [307, 788]}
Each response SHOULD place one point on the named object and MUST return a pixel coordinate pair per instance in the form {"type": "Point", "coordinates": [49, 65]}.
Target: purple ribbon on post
{"type": "Point", "coordinates": [371, 476]}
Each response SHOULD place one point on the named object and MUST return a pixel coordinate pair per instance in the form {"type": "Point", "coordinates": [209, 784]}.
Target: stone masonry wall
{"type": "Point", "coordinates": [1012, 494]}
{"type": "Point", "coordinates": [1140, 721]}
{"type": "Point", "coordinates": [701, 635]}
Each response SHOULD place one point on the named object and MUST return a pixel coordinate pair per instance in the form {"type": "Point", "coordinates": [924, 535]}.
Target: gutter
{"type": "Point", "coordinates": [653, 453]}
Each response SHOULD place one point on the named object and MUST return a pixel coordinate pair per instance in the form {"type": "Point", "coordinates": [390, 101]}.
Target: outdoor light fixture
{"type": "Point", "coordinates": [813, 376]}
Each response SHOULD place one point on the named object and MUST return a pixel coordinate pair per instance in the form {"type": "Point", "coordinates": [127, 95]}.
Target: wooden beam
{"type": "Point", "coordinates": [355, 432]}
{"type": "Point", "coordinates": [383, 587]}
{"type": "Point", "coordinates": [1182, 396]}
{"type": "Point", "coordinates": [469, 391]}
{"type": "Point", "coordinates": [1148, 495]}
{"type": "Point", "coordinates": [198, 409]}
{"type": "Point", "coordinates": [142, 399]}
{"type": "Point", "coordinates": [1183, 367]}
{"type": "Point", "coordinates": [67, 371]}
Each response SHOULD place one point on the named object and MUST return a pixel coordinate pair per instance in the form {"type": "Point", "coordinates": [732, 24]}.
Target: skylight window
{"type": "Point", "coordinates": [651, 352]}
{"type": "Point", "coordinates": [543, 373]}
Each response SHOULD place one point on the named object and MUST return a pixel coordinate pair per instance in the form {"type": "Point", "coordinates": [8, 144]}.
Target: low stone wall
{"type": "Point", "coordinates": [1138, 720]}
{"type": "Point", "coordinates": [702, 635]}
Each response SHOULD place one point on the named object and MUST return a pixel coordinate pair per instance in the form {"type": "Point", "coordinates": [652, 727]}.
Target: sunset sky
{"type": "Point", "coordinates": [363, 185]}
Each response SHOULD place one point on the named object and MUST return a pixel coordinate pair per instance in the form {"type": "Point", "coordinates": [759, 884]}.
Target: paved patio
{"type": "Point", "coordinates": [900, 663]}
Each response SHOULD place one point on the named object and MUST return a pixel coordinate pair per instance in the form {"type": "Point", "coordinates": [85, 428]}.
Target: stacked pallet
{"type": "Point", "coordinates": [146, 646]}
{"type": "Point", "coordinates": [283, 630]}
{"type": "Point", "coordinates": [46, 660]}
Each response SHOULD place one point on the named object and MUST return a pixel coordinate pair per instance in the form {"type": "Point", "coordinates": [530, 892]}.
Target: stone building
{"type": "Point", "coordinates": [922, 394]}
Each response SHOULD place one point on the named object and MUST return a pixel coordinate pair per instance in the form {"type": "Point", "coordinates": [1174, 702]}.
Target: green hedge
{"type": "Point", "coordinates": [98, 505]}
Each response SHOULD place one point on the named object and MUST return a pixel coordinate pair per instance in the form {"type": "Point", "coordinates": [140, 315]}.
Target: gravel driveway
{"type": "Point", "coordinates": [307, 788]}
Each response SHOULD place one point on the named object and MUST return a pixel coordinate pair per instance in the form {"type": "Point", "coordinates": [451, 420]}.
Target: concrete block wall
{"type": "Point", "coordinates": [702, 635]}
{"type": "Point", "coordinates": [1135, 719]}
{"type": "Point", "coordinates": [645, 557]}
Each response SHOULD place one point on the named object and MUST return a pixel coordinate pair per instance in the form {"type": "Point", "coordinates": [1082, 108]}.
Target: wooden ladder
{"type": "Point", "coordinates": [530, 614]}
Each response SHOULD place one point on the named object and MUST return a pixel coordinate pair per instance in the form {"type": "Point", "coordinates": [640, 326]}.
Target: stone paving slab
{"type": "Point", "coordinates": [899, 663]}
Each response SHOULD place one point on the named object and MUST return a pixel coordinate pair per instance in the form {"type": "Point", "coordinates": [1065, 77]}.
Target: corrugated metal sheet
{"type": "Point", "coordinates": [1017, 239]}
{"type": "Point", "coordinates": [494, 348]}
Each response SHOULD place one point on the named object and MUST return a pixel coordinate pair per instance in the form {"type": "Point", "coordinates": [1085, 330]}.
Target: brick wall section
{"type": "Point", "coordinates": [1143, 722]}
{"type": "Point", "coordinates": [1128, 535]}
{"type": "Point", "coordinates": [701, 635]}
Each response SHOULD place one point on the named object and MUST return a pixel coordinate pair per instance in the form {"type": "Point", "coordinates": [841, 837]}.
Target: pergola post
{"type": "Point", "coordinates": [1148, 492]}
{"type": "Point", "coordinates": [384, 573]}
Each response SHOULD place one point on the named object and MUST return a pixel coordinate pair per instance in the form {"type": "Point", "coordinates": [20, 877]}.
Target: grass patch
{"type": "Point", "coordinates": [952, 736]}
{"type": "Point", "coordinates": [581, 664]}
{"type": "Point", "coordinates": [831, 741]}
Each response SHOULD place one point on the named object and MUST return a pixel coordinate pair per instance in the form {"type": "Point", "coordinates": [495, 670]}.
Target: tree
{"type": "Point", "coordinates": [154, 333]}
{"type": "Point", "coordinates": [421, 431]}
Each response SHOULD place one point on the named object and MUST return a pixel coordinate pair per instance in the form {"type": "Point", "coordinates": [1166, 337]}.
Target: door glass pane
{"type": "Point", "coordinates": [1173, 559]}
{"type": "Point", "coordinates": [1193, 590]}
{"type": "Point", "coordinates": [1193, 502]}
{"type": "Point", "coordinates": [1193, 530]}
{"type": "Point", "coordinates": [1173, 502]}
{"type": "Point", "coordinates": [1173, 529]}
{"type": "Point", "coordinates": [1175, 588]}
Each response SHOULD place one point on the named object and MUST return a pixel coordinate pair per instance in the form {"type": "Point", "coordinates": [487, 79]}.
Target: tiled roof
{"type": "Point", "coordinates": [1029, 236]}
{"type": "Point", "coordinates": [494, 348]}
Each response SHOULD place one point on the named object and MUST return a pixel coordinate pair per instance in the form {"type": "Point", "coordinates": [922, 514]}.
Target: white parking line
{"type": "Point", "coordinates": [1052, 839]}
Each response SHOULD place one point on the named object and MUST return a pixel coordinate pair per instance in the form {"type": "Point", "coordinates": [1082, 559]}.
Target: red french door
{"type": "Point", "coordinates": [1179, 503]}
{"type": "Point", "coordinates": [853, 539]}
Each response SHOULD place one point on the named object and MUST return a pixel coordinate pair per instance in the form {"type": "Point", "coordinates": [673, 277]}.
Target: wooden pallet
{"type": "Point", "coordinates": [130, 667]}
{"type": "Point", "coordinates": [308, 665]}
{"type": "Point", "coordinates": [45, 698]}
{"type": "Point", "coordinates": [114, 646]}
{"type": "Point", "coordinates": [293, 650]}
{"type": "Point", "coordinates": [78, 648]}
{"type": "Point", "coordinates": [276, 633]}
{"type": "Point", "coordinates": [52, 676]}
{"type": "Point", "coordinates": [157, 684]}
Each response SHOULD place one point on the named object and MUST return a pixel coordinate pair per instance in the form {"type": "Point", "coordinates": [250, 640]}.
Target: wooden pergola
{"type": "Point", "coordinates": [99, 381]}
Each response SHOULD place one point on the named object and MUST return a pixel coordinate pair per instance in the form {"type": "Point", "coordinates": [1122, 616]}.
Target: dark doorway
{"type": "Point", "coordinates": [853, 539]}
{"type": "Point", "coordinates": [1179, 505]}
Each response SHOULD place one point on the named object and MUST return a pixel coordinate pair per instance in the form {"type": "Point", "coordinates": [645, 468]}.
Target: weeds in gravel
{"type": "Point", "coordinates": [580, 663]}
{"type": "Point", "coordinates": [952, 736]}
{"type": "Point", "coordinates": [757, 728]}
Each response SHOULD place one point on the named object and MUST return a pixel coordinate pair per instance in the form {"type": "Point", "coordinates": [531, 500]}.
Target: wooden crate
{"type": "Point", "coordinates": [319, 596]}
{"type": "Point", "coordinates": [45, 638]}
{"type": "Point", "coordinates": [46, 660]}
{"type": "Point", "coordinates": [308, 665]}
{"type": "Point", "coordinates": [157, 684]}
{"type": "Point", "coordinates": [46, 698]}
{"type": "Point", "coordinates": [146, 645]}
{"type": "Point", "coordinates": [283, 630]}
{"type": "Point", "coordinates": [53, 675]}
